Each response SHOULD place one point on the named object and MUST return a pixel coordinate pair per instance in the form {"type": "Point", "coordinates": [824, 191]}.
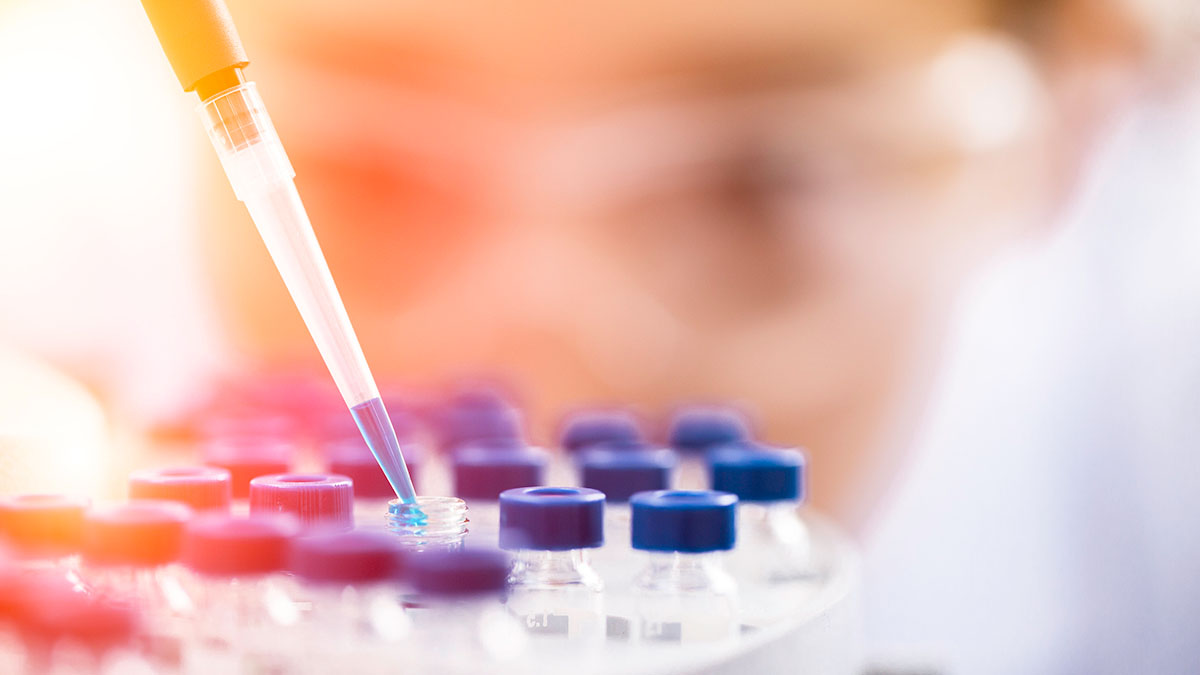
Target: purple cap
{"type": "Point", "coordinates": [247, 458]}
{"type": "Point", "coordinates": [359, 556]}
{"type": "Point", "coordinates": [620, 474]}
{"type": "Point", "coordinates": [700, 428]}
{"type": "Point", "coordinates": [464, 572]}
{"type": "Point", "coordinates": [139, 533]}
{"type": "Point", "coordinates": [204, 488]}
{"type": "Point", "coordinates": [316, 500]}
{"type": "Point", "coordinates": [589, 427]}
{"type": "Point", "coordinates": [352, 458]}
{"type": "Point", "coordinates": [474, 415]}
{"type": "Point", "coordinates": [551, 518]}
{"type": "Point", "coordinates": [228, 546]}
{"type": "Point", "coordinates": [485, 473]}
{"type": "Point", "coordinates": [43, 524]}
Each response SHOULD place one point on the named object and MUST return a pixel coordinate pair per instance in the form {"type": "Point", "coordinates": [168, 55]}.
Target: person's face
{"type": "Point", "coordinates": [646, 202]}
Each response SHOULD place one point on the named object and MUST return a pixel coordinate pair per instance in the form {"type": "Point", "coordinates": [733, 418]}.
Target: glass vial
{"type": "Point", "coordinates": [459, 617]}
{"type": "Point", "coordinates": [239, 591]}
{"type": "Point", "coordinates": [684, 593]}
{"type": "Point", "coordinates": [553, 589]}
{"type": "Point", "coordinates": [431, 524]}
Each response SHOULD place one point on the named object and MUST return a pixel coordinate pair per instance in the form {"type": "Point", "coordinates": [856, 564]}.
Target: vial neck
{"type": "Point", "coordinates": [686, 572]}
{"type": "Point", "coordinates": [553, 567]}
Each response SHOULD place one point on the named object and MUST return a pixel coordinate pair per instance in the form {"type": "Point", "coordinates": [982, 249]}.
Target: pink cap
{"type": "Point", "coordinates": [204, 488]}
{"type": "Point", "coordinates": [356, 461]}
{"type": "Point", "coordinates": [143, 533]}
{"type": "Point", "coordinates": [226, 546]}
{"type": "Point", "coordinates": [247, 458]}
{"type": "Point", "coordinates": [43, 524]}
{"type": "Point", "coordinates": [316, 500]}
{"type": "Point", "coordinates": [361, 556]}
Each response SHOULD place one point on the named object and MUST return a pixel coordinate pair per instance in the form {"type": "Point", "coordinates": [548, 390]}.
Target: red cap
{"type": "Point", "coordinates": [204, 488]}
{"type": "Point", "coordinates": [142, 533]}
{"type": "Point", "coordinates": [43, 524]}
{"type": "Point", "coordinates": [248, 457]}
{"type": "Point", "coordinates": [316, 500]}
{"type": "Point", "coordinates": [222, 545]}
{"type": "Point", "coordinates": [55, 609]}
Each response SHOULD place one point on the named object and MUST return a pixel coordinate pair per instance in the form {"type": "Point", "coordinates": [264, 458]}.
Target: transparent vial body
{"type": "Point", "coordinates": [238, 624]}
{"type": "Point", "coordinates": [430, 524]}
{"type": "Point", "coordinates": [557, 593]}
{"type": "Point", "coordinates": [471, 634]}
{"type": "Point", "coordinates": [162, 597]}
{"type": "Point", "coordinates": [777, 546]}
{"type": "Point", "coordinates": [685, 598]}
{"type": "Point", "coordinates": [347, 628]}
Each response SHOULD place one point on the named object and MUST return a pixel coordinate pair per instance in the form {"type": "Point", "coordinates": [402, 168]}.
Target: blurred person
{"type": "Point", "coordinates": [648, 202]}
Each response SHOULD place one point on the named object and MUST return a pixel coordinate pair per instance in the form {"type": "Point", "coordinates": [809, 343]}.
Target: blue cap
{"type": "Point", "coordinates": [699, 428]}
{"type": "Point", "coordinates": [589, 427]}
{"type": "Point", "coordinates": [551, 518]}
{"type": "Point", "coordinates": [619, 474]}
{"type": "Point", "coordinates": [463, 572]}
{"type": "Point", "coordinates": [481, 473]}
{"type": "Point", "coordinates": [758, 473]}
{"type": "Point", "coordinates": [684, 521]}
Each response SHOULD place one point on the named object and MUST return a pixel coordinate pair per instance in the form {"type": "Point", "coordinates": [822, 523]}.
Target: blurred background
{"type": "Point", "coordinates": [946, 247]}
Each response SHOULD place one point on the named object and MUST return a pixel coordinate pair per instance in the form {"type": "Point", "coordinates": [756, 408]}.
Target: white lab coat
{"type": "Point", "coordinates": [1051, 520]}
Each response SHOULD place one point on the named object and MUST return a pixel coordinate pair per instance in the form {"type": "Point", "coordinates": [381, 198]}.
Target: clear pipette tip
{"type": "Point", "coordinates": [376, 428]}
{"type": "Point", "coordinates": [262, 177]}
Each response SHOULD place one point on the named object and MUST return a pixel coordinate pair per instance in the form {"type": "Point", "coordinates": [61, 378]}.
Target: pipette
{"type": "Point", "coordinates": [206, 53]}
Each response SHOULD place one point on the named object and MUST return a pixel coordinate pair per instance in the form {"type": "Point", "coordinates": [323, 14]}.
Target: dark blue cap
{"type": "Point", "coordinates": [464, 572]}
{"type": "Point", "coordinates": [758, 473]}
{"type": "Point", "coordinates": [684, 521]}
{"type": "Point", "coordinates": [619, 474]}
{"type": "Point", "coordinates": [481, 473]}
{"type": "Point", "coordinates": [699, 428]}
{"type": "Point", "coordinates": [589, 427]}
{"type": "Point", "coordinates": [551, 518]}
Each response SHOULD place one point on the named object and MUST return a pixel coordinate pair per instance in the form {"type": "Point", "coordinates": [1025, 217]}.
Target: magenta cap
{"type": "Point", "coordinates": [361, 466]}
{"type": "Point", "coordinates": [359, 556]}
{"type": "Point", "coordinates": [247, 458]}
{"type": "Point", "coordinates": [316, 500]}
{"type": "Point", "coordinates": [227, 546]}
{"type": "Point", "coordinates": [139, 533]}
{"type": "Point", "coordinates": [43, 524]}
{"type": "Point", "coordinates": [204, 488]}
{"type": "Point", "coordinates": [464, 572]}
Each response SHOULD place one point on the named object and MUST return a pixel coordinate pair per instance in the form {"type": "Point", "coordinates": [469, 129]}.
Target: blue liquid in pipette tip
{"type": "Point", "coordinates": [376, 428]}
